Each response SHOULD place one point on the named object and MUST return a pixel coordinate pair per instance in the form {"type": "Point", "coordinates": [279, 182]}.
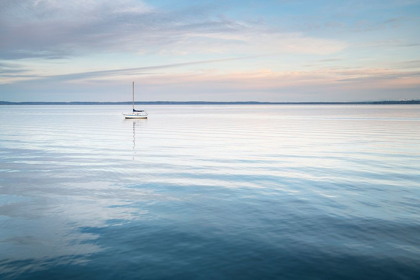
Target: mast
{"type": "Point", "coordinates": [133, 96]}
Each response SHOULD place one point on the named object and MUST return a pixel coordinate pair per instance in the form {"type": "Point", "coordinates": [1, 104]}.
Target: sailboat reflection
{"type": "Point", "coordinates": [136, 125]}
{"type": "Point", "coordinates": [134, 136]}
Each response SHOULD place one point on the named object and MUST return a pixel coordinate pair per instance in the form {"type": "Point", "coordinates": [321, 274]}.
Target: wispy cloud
{"type": "Point", "coordinates": [133, 71]}
{"type": "Point", "coordinates": [7, 68]}
{"type": "Point", "coordinates": [327, 84]}
{"type": "Point", "coordinates": [111, 72]}
{"type": "Point", "coordinates": [383, 76]}
{"type": "Point", "coordinates": [409, 64]}
{"type": "Point", "coordinates": [266, 85]}
{"type": "Point", "coordinates": [53, 29]}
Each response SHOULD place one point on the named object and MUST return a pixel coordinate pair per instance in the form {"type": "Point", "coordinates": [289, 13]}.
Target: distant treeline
{"type": "Point", "coordinates": [213, 103]}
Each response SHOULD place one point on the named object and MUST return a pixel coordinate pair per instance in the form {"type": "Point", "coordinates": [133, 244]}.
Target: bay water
{"type": "Point", "coordinates": [210, 192]}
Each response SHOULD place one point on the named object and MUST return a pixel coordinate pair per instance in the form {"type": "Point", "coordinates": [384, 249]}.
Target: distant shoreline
{"type": "Point", "coordinates": [214, 103]}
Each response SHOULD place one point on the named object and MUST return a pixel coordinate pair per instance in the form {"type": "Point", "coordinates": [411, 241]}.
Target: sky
{"type": "Point", "coordinates": [230, 50]}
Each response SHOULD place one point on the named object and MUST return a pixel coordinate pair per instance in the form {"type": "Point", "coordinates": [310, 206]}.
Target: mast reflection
{"type": "Point", "coordinates": [137, 124]}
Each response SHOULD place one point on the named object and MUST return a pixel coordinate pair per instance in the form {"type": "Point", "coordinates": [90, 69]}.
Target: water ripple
{"type": "Point", "coordinates": [249, 192]}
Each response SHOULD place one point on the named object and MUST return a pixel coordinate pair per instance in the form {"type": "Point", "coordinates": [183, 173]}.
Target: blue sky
{"type": "Point", "coordinates": [274, 50]}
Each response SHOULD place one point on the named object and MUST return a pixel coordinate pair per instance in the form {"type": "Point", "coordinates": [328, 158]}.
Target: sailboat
{"type": "Point", "coordinates": [136, 114]}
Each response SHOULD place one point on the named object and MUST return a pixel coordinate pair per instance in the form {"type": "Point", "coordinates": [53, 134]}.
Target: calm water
{"type": "Point", "coordinates": [210, 192]}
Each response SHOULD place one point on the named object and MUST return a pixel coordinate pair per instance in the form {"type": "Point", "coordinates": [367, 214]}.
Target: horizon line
{"type": "Point", "coordinates": [411, 101]}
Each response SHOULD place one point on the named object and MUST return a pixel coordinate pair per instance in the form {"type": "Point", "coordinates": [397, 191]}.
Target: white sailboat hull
{"type": "Point", "coordinates": [136, 116]}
